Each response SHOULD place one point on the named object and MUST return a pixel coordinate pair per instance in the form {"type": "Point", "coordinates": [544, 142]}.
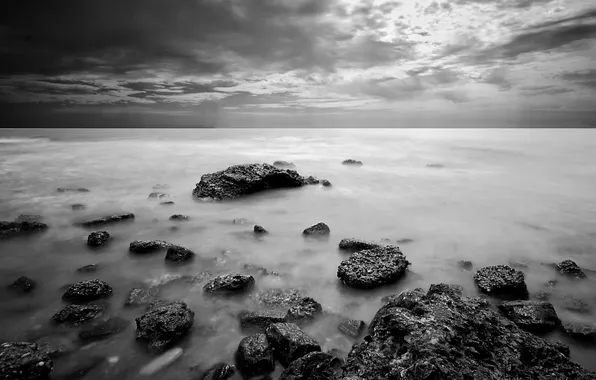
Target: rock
{"type": "Point", "coordinates": [580, 331]}
{"type": "Point", "coordinates": [88, 268]}
{"type": "Point", "coordinates": [284, 164]}
{"type": "Point", "coordinates": [313, 366]}
{"type": "Point", "coordinates": [354, 245]}
{"type": "Point", "coordinates": [164, 325]}
{"type": "Point", "coordinates": [179, 217]}
{"type": "Point", "coordinates": [260, 320]}
{"type": "Point", "coordinates": [534, 316]}
{"type": "Point", "coordinates": [179, 254]}
{"type": "Point", "coordinates": [570, 269]}
{"type": "Point", "coordinates": [22, 285]}
{"type": "Point", "coordinates": [254, 356]}
{"type": "Point", "coordinates": [76, 315]}
{"type": "Point", "coordinates": [167, 203]}
{"type": "Point", "coordinates": [140, 297]}
{"type": "Point", "coordinates": [239, 180]}
{"type": "Point", "coordinates": [148, 246]}
{"type": "Point", "coordinates": [447, 336]}
{"type": "Point", "coordinates": [12, 229]}
{"type": "Point", "coordinates": [305, 310]}
{"type": "Point", "coordinates": [226, 284]}
{"type": "Point", "coordinates": [541, 296]}
{"type": "Point", "coordinates": [259, 270]}
{"type": "Point", "coordinates": [53, 347]}
{"type": "Point", "coordinates": [107, 220]}
{"type": "Point", "coordinates": [103, 329]}
{"type": "Point", "coordinates": [435, 166]}
{"type": "Point", "coordinates": [98, 238]}
{"type": "Point", "coordinates": [325, 183]}
{"type": "Point", "coordinates": [219, 371]}
{"type": "Point", "coordinates": [352, 162]}
{"type": "Point", "coordinates": [240, 221]}
{"type": "Point", "coordinates": [65, 190]}
{"type": "Point", "coordinates": [502, 281]}
{"type": "Point", "coordinates": [27, 218]}
{"type": "Point", "coordinates": [351, 327]}
{"type": "Point", "coordinates": [78, 207]}
{"type": "Point", "coordinates": [86, 291]}
{"type": "Point", "coordinates": [260, 230]}
{"type": "Point", "coordinates": [157, 195]}
{"type": "Point", "coordinates": [161, 361]}
{"type": "Point", "coordinates": [406, 241]}
{"type": "Point", "coordinates": [455, 290]}
{"type": "Point", "coordinates": [278, 298]}
{"type": "Point", "coordinates": [310, 180]}
{"type": "Point", "coordinates": [317, 230]}
{"type": "Point", "coordinates": [516, 264]}
{"type": "Point", "coordinates": [289, 342]}
{"type": "Point", "coordinates": [372, 268]}
{"type": "Point", "coordinates": [465, 264]}
{"type": "Point", "coordinates": [575, 304]}
{"type": "Point", "coordinates": [24, 361]}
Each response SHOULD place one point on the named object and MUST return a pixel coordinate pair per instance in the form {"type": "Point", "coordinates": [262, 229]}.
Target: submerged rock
{"type": "Point", "coordinates": [27, 218]}
{"type": "Point", "coordinates": [98, 238]}
{"type": "Point", "coordinates": [85, 291]}
{"type": "Point", "coordinates": [79, 190]}
{"type": "Point", "coordinates": [167, 203]}
{"type": "Point", "coordinates": [161, 361]}
{"type": "Point", "coordinates": [148, 246]}
{"type": "Point", "coordinates": [534, 316]}
{"type": "Point", "coordinates": [575, 304]}
{"type": "Point", "coordinates": [54, 346]}
{"type": "Point", "coordinates": [76, 315]}
{"type": "Point", "coordinates": [325, 183]}
{"type": "Point", "coordinates": [352, 162]}
{"type": "Point", "coordinates": [254, 356]}
{"type": "Point", "coordinates": [303, 311]}
{"type": "Point", "coordinates": [239, 180]}
{"type": "Point", "coordinates": [179, 254]}
{"type": "Point", "coordinates": [240, 221]}
{"type": "Point", "coordinates": [318, 229]}
{"type": "Point", "coordinates": [22, 285]}
{"type": "Point", "coordinates": [24, 361]}
{"type": "Point", "coordinates": [289, 342]}
{"type": "Point", "coordinates": [260, 320]}
{"type": "Point", "coordinates": [164, 325]}
{"type": "Point", "coordinates": [103, 329]}
{"type": "Point", "coordinates": [78, 207]}
{"type": "Point", "coordinates": [372, 268]}
{"type": "Point", "coordinates": [157, 195]}
{"type": "Point", "coordinates": [310, 180]}
{"type": "Point", "coordinates": [260, 230]}
{"type": "Point", "coordinates": [278, 298]}
{"type": "Point", "coordinates": [351, 327]}
{"type": "Point", "coordinates": [354, 245]}
{"type": "Point", "coordinates": [88, 268]}
{"type": "Point", "coordinates": [219, 371]}
{"type": "Point", "coordinates": [580, 331]}
{"type": "Point", "coordinates": [465, 264]}
{"type": "Point", "coordinates": [259, 270]}
{"type": "Point", "coordinates": [142, 297]}
{"type": "Point", "coordinates": [284, 164]}
{"type": "Point", "coordinates": [13, 229]}
{"type": "Point", "coordinates": [179, 217]}
{"type": "Point", "coordinates": [313, 366]}
{"type": "Point", "coordinates": [570, 269]}
{"type": "Point", "coordinates": [107, 220]}
{"type": "Point", "coordinates": [233, 283]}
{"type": "Point", "coordinates": [502, 281]}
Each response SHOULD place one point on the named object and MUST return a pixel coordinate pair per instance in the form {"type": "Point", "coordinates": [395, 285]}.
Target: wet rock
{"type": "Point", "coordinates": [239, 180]}
{"type": "Point", "coordinates": [580, 331]}
{"type": "Point", "coordinates": [290, 342]}
{"type": "Point", "coordinates": [27, 218]}
{"type": "Point", "coordinates": [148, 246]}
{"type": "Point", "coordinates": [352, 162]}
{"type": "Point", "coordinates": [164, 325]}
{"type": "Point", "coordinates": [325, 183]}
{"type": "Point", "coordinates": [12, 229]}
{"type": "Point", "coordinates": [284, 164]}
{"type": "Point", "coordinates": [534, 316]}
{"type": "Point", "coordinates": [446, 336]}
{"type": "Point", "coordinates": [259, 270]}
{"type": "Point", "coordinates": [317, 230]}
{"type": "Point", "coordinates": [179, 254]}
{"type": "Point", "coordinates": [88, 268]}
{"type": "Point", "coordinates": [22, 285]}
{"type": "Point", "coordinates": [226, 284]}
{"type": "Point", "coordinates": [179, 217]}
{"type": "Point", "coordinates": [53, 346]}
{"type": "Point", "coordinates": [310, 180]}
{"type": "Point", "coordinates": [76, 315]}
{"type": "Point", "coordinates": [24, 361]}
{"type": "Point", "coordinates": [260, 230]}
{"type": "Point", "coordinates": [161, 361]}
{"type": "Point", "coordinates": [78, 207]}
{"type": "Point", "coordinates": [167, 203]}
{"type": "Point", "coordinates": [570, 269]}
{"type": "Point", "coordinates": [313, 366]}
{"type": "Point", "coordinates": [354, 245]}
{"type": "Point", "coordinates": [351, 327]}
{"type": "Point", "coordinates": [278, 298]}
{"type": "Point", "coordinates": [260, 320]}
{"type": "Point", "coordinates": [157, 195]}
{"type": "Point", "coordinates": [502, 281]}
{"type": "Point", "coordinates": [240, 221]}
{"type": "Point", "coordinates": [465, 264]}
{"type": "Point", "coordinates": [575, 304]}
{"type": "Point", "coordinates": [372, 268]}
{"type": "Point", "coordinates": [98, 238]}
{"type": "Point", "coordinates": [86, 291]}
{"type": "Point", "coordinates": [454, 290]}
{"type": "Point", "coordinates": [254, 356]}
{"type": "Point", "coordinates": [435, 166]}
{"type": "Point", "coordinates": [305, 310]}
{"type": "Point", "coordinates": [141, 297]}
{"type": "Point", "coordinates": [99, 330]}
{"type": "Point", "coordinates": [219, 371]}
{"type": "Point", "coordinates": [124, 217]}
{"type": "Point", "coordinates": [541, 296]}
{"type": "Point", "coordinates": [66, 190]}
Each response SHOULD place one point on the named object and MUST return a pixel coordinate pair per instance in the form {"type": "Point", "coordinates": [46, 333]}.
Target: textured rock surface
{"type": "Point", "coordinates": [233, 283]}
{"type": "Point", "coordinates": [465, 264]}
{"type": "Point", "coordinates": [502, 281]}
{"type": "Point", "coordinates": [351, 327]}
{"type": "Point", "coordinates": [148, 246]}
{"type": "Point", "coordinates": [76, 315]}
{"type": "Point", "coordinates": [260, 320]}
{"type": "Point", "coordinates": [304, 311]}
{"type": "Point", "coordinates": [22, 285]}
{"type": "Point", "coordinates": [278, 298]}
{"type": "Point", "coordinates": [570, 269]}
{"type": "Point", "coordinates": [352, 162]}
{"type": "Point", "coordinates": [78, 207]}
{"type": "Point", "coordinates": [354, 245]}
{"type": "Point", "coordinates": [86, 291]}
{"type": "Point", "coordinates": [259, 230]}
{"type": "Point", "coordinates": [179, 254]}
{"type": "Point", "coordinates": [24, 361]}
{"type": "Point", "coordinates": [98, 238]}
{"type": "Point", "coordinates": [535, 316]}
{"type": "Point", "coordinates": [219, 371]}
{"type": "Point", "coordinates": [157, 195]}
{"type": "Point", "coordinates": [580, 331]}
{"type": "Point", "coordinates": [180, 217]}
{"type": "Point", "coordinates": [313, 366]}
{"type": "Point", "coordinates": [372, 268]}
{"type": "Point", "coordinates": [88, 268]}
{"type": "Point", "coordinates": [254, 356]}
{"type": "Point", "coordinates": [318, 229]}
{"type": "Point", "coordinates": [98, 330]}
{"type": "Point", "coordinates": [164, 325]}
{"type": "Point", "coordinates": [290, 342]}
{"type": "Point", "coordinates": [325, 183]}
{"type": "Point", "coordinates": [107, 220]}
{"type": "Point", "coordinates": [284, 164]}
{"type": "Point", "coordinates": [13, 229]}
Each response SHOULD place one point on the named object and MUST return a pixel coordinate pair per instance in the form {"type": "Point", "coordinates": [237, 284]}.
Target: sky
{"type": "Point", "coordinates": [298, 63]}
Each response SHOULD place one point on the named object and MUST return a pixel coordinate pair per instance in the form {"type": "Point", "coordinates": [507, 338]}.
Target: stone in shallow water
{"type": "Point", "coordinates": [179, 254]}
{"type": "Point", "coordinates": [580, 331]}
{"type": "Point", "coordinates": [233, 283]}
{"type": "Point", "coordinates": [167, 203]}
{"type": "Point", "coordinates": [140, 297]}
{"type": "Point", "coordinates": [180, 217]}
{"type": "Point", "coordinates": [22, 285]}
{"type": "Point", "coordinates": [575, 304]}
{"type": "Point", "coordinates": [219, 371]}
{"type": "Point", "coordinates": [372, 268]}
{"type": "Point", "coordinates": [164, 325]}
{"type": "Point", "coordinates": [157, 195]}
{"type": "Point", "coordinates": [352, 162]}
{"type": "Point", "coordinates": [12, 229]}
{"type": "Point", "coordinates": [24, 361]}
{"type": "Point", "coordinates": [148, 246]}
{"type": "Point", "coordinates": [290, 342]}
{"type": "Point", "coordinates": [254, 357]}
{"type": "Point", "coordinates": [78, 207]}
{"type": "Point", "coordinates": [260, 319]}
{"type": "Point", "coordinates": [351, 327]}
{"type": "Point", "coordinates": [319, 229]}
{"type": "Point", "coordinates": [65, 190]}
{"type": "Point", "coordinates": [88, 268]}
{"type": "Point", "coordinates": [465, 264]}
{"type": "Point", "coordinates": [76, 315]}
{"type": "Point", "coordinates": [278, 298]}
{"type": "Point", "coordinates": [502, 281]}
{"type": "Point", "coordinates": [27, 218]}
{"type": "Point", "coordinates": [570, 269]}
{"type": "Point", "coordinates": [305, 310]}
{"type": "Point", "coordinates": [535, 316]}
{"type": "Point", "coordinates": [241, 221]}
{"type": "Point", "coordinates": [354, 245]}
{"type": "Point", "coordinates": [85, 291]}
{"type": "Point", "coordinates": [99, 330]}
{"type": "Point", "coordinates": [98, 238]}
{"type": "Point", "coordinates": [314, 366]}
{"type": "Point", "coordinates": [325, 183]}
{"type": "Point", "coordinates": [124, 217]}
{"type": "Point", "coordinates": [284, 163]}
{"type": "Point", "coordinates": [259, 230]}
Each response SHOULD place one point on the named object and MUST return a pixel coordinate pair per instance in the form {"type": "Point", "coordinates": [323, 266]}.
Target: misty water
{"type": "Point", "coordinates": [501, 195]}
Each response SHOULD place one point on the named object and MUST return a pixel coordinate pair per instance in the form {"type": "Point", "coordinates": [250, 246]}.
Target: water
{"type": "Point", "coordinates": [502, 195]}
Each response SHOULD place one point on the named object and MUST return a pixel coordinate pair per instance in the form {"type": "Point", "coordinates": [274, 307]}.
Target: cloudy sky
{"type": "Point", "coordinates": [298, 63]}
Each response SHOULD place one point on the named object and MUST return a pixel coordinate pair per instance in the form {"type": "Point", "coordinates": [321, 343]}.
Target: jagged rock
{"type": "Point", "coordinates": [254, 356]}
{"type": "Point", "coordinates": [24, 361]}
{"type": "Point", "coordinates": [22, 285]}
{"type": "Point", "coordinates": [13, 229]}
{"type": "Point", "coordinates": [289, 342]}
{"type": "Point", "coordinates": [260, 230]}
{"type": "Point", "coordinates": [179, 254]}
{"type": "Point", "coordinates": [88, 268]}
{"type": "Point", "coordinates": [140, 297]}
{"type": "Point", "coordinates": [318, 229]}
{"type": "Point", "coordinates": [534, 316]}
{"type": "Point", "coordinates": [278, 298]}
{"type": "Point", "coordinates": [85, 291]}
{"type": "Point", "coordinates": [570, 269]}
{"type": "Point", "coordinates": [502, 281]}
{"type": "Point", "coordinates": [305, 310]}
{"type": "Point", "coordinates": [239, 180]}
{"type": "Point", "coordinates": [354, 245]}
{"type": "Point", "coordinates": [325, 183]}
{"type": "Point", "coordinates": [164, 325]}
{"type": "Point", "coordinates": [575, 304]}
{"type": "Point", "coordinates": [98, 238]}
{"type": "Point", "coordinates": [107, 220]}
{"type": "Point", "coordinates": [260, 320]}
{"type": "Point", "coordinates": [229, 284]}
{"type": "Point", "coordinates": [313, 366]}
{"type": "Point", "coordinates": [78, 207]}
{"type": "Point", "coordinates": [219, 371]}
{"type": "Point", "coordinates": [180, 217]}
{"type": "Point", "coordinates": [465, 264]}
{"type": "Point", "coordinates": [580, 331]}
{"type": "Point", "coordinates": [372, 268]}
{"type": "Point", "coordinates": [310, 180]}
{"type": "Point", "coordinates": [148, 246]}
{"type": "Point", "coordinates": [65, 190]}
{"type": "Point", "coordinates": [167, 203]}
{"type": "Point", "coordinates": [103, 329]}
{"type": "Point", "coordinates": [351, 327]}
{"type": "Point", "coordinates": [76, 315]}
{"type": "Point", "coordinates": [27, 218]}
{"type": "Point", "coordinates": [454, 290]}
{"type": "Point", "coordinates": [284, 164]}
{"type": "Point", "coordinates": [352, 162]}
{"type": "Point", "coordinates": [158, 195]}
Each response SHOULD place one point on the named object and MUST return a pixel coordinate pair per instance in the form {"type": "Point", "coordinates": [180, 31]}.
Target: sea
{"type": "Point", "coordinates": [491, 196]}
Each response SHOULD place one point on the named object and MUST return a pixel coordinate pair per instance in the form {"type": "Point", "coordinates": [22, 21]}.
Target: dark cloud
{"type": "Point", "coordinates": [498, 77]}
{"type": "Point", "coordinates": [586, 78]}
{"type": "Point", "coordinates": [543, 90]}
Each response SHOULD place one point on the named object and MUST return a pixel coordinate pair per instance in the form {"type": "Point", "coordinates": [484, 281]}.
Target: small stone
{"type": "Point", "coordinates": [78, 207]}
{"type": "Point", "coordinates": [352, 162]}
{"type": "Point", "coordinates": [164, 325]}
{"type": "Point", "coordinates": [310, 180]}
{"type": "Point", "coordinates": [98, 238]}
{"type": "Point", "coordinates": [179, 254]}
{"type": "Point", "coordinates": [260, 230]}
{"type": "Point", "coordinates": [22, 285]}
{"type": "Point", "coordinates": [371, 268]}
{"type": "Point", "coordinates": [502, 281]}
{"type": "Point", "coordinates": [325, 183]}
{"type": "Point", "coordinates": [535, 316]}
{"type": "Point", "coordinates": [167, 203]}
{"type": "Point", "coordinates": [219, 371]}
{"type": "Point", "coordinates": [140, 297]}
{"type": "Point", "coordinates": [79, 190]}
{"type": "Point", "coordinates": [241, 221]}
{"type": "Point", "coordinates": [284, 164]}
{"type": "Point", "coordinates": [157, 195]}
{"type": "Point", "coordinates": [180, 217]}
{"type": "Point", "coordinates": [355, 245]}
{"type": "Point", "coordinates": [85, 291]}
{"type": "Point", "coordinates": [278, 298]}
{"type": "Point", "coordinates": [575, 304]}
{"type": "Point", "coordinates": [148, 246]}
{"type": "Point", "coordinates": [317, 230]}
{"type": "Point", "coordinates": [313, 366]}
{"type": "Point", "coordinates": [351, 327]}
{"type": "Point", "coordinates": [261, 319]}
{"type": "Point", "coordinates": [103, 329]}
{"type": "Point", "coordinates": [305, 310]}
{"type": "Point", "coordinates": [88, 268]}
{"type": "Point", "coordinates": [465, 264]}
{"type": "Point", "coordinates": [580, 331]}
{"type": "Point", "coordinates": [117, 218]}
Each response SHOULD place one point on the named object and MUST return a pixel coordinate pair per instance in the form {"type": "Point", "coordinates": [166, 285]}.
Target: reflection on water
{"type": "Point", "coordinates": [524, 196]}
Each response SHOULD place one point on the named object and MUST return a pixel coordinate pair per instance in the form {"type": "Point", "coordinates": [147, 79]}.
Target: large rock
{"type": "Point", "coordinates": [570, 269]}
{"type": "Point", "coordinates": [447, 336]}
{"type": "Point", "coordinates": [313, 366]}
{"type": "Point", "coordinates": [76, 315]}
{"type": "Point", "coordinates": [278, 298]}
{"type": "Point", "coordinates": [260, 320]}
{"type": "Point", "coordinates": [103, 329]}
{"type": "Point", "coordinates": [372, 268]}
{"type": "Point", "coordinates": [354, 245]}
{"type": "Point", "coordinates": [86, 291]}
{"type": "Point", "coordinates": [177, 254]}
{"type": "Point", "coordinates": [164, 325]}
{"type": "Point", "coordinates": [580, 331]}
{"type": "Point", "coordinates": [107, 220]}
{"type": "Point", "coordinates": [305, 310]}
{"type": "Point", "coordinates": [24, 361]}
{"type": "Point", "coordinates": [13, 229]}
{"type": "Point", "coordinates": [98, 238]}
{"type": "Point", "coordinates": [289, 342]}
{"type": "Point", "coordinates": [502, 281]}
{"type": "Point", "coordinates": [148, 246]}
{"type": "Point", "coordinates": [22, 285]}
{"type": "Point", "coordinates": [219, 371]}
{"type": "Point", "coordinates": [534, 316]}
{"type": "Point", "coordinates": [254, 356]}
{"type": "Point", "coordinates": [319, 229]}
{"type": "Point", "coordinates": [228, 284]}
{"type": "Point", "coordinates": [239, 180]}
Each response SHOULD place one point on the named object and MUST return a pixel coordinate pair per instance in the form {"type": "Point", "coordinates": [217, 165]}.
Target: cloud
{"type": "Point", "coordinates": [498, 77]}
{"type": "Point", "coordinates": [504, 4]}
{"type": "Point", "coordinates": [586, 78]}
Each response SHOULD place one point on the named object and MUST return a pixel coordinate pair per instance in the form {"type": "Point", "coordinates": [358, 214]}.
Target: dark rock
{"type": "Point", "coordinates": [53, 347]}
{"type": "Point", "coordinates": [107, 220]}
{"type": "Point", "coordinates": [76, 315]}
{"type": "Point", "coordinates": [229, 284]}
{"type": "Point", "coordinates": [88, 268]}
{"type": "Point", "coordinates": [22, 285]}
{"type": "Point", "coordinates": [325, 183]}
{"type": "Point", "coordinates": [305, 310]}
{"type": "Point", "coordinates": [405, 241]}
{"type": "Point", "coordinates": [465, 264]}
{"type": "Point", "coordinates": [167, 203]}
{"type": "Point", "coordinates": [351, 327]}
{"type": "Point", "coordinates": [570, 269]}
{"type": "Point", "coordinates": [78, 207]}
{"type": "Point", "coordinates": [179, 254]}
{"type": "Point", "coordinates": [180, 217]}
{"type": "Point", "coordinates": [352, 162]}
{"type": "Point", "coordinates": [502, 281]}
{"type": "Point", "coordinates": [254, 356]}
{"type": "Point", "coordinates": [98, 238]}
{"type": "Point", "coordinates": [260, 230]}
{"type": "Point", "coordinates": [27, 218]}
{"type": "Point", "coordinates": [165, 325]}
{"type": "Point", "coordinates": [534, 316]}
{"type": "Point", "coordinates": [580, 331]}
{"type": "Point", "coordinates": [278, 298]}
{"type": "Point", "coordinates": [240, 221]}
{"type": "Point", "coordinates": [65, 190]}
{"type": "Point", "coordinates": [86, 291]}
{"type": "Point", "coordinates": [158, 195]}
{"type": "Point", "coordinates": [24, 361]}
{"type": "Point", "coordinates": [575, 304]}
{"type": "Point", "coordinates": [310, 180]}
{"type": "Point", "coordinates": [541, 296]}
{"type": "Point", "coordinates": [239, 180]}
{"type": "Point", "coordinates": [454, 290]}
{"type": "Point", "coordinates": [284, 164]}
{"type": "Point", "coordinates": [317, 230]}
{"type": "Point", "coordinates": [12, 229]}
{"type": "Point", "coordinates": [103, 329]}
{"type": "Point", "coordinates": [289, 342]}
{"type": "Point", "coordinates": [260, 320]}
{"type": "Point", "coordinates": [372, 268]}
{"type": "Point", "coordinates": [435, 166]}
{"type": "Point", "coordinates": [140, 297]}
{"type": "Point", "coordinates": [446, 336]}
{"type": "Point", "coordinates": [313, 366]}
{"type": "Point", "coordinates": [219, 371]}
{"type": "Point", "coordinates": [148, 246]}
{"type": "Point", "coordinates": [354, 245]}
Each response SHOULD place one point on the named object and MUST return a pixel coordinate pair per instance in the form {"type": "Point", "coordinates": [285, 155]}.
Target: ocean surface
{"type": "Point", "coordinates": [526, 196]}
